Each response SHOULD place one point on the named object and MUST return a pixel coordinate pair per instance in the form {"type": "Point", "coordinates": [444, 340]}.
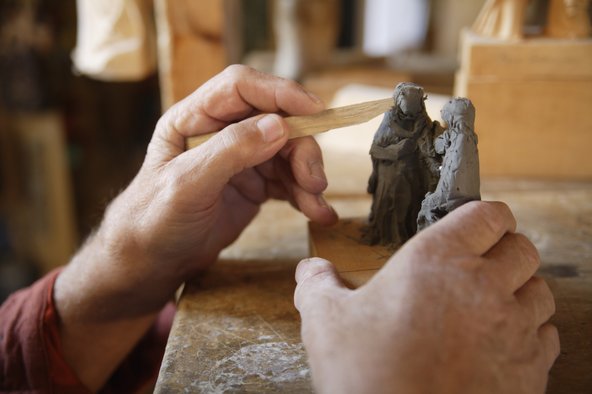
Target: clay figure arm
{"type": "Point", "coordinates": [383, 131]}
{"type": "Point", "coordinates": [441, 143]}
{"type": "Point", "coordinates": [415, 315]}
{"type": "Point", "coordinates": [183, 208]}
{"type": "Point", "coordinates": [392, 152]}
{"type": "Point", "coordinates": [381, 153]}
{"type": "Point", "coordinates": [379, 139]}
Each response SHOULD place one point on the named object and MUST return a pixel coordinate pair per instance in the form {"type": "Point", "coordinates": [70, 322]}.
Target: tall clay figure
{"type": "Point", "coordinates": [459, 177]}
{"type": "Point", "coordinates": [404, 168]}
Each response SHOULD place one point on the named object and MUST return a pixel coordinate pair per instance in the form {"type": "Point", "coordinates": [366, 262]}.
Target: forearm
{"type": "Point", "coordinates": [106, 303]}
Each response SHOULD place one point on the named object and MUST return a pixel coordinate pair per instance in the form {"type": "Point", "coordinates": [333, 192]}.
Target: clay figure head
{"type": "Point", "coordinates": [409, 99]}
{"type": "Point", "coordinates": [459, 114]}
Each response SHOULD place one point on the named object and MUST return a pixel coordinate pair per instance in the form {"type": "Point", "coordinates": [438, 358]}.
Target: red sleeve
{"type": "Point", "coordinates": [30, 350]}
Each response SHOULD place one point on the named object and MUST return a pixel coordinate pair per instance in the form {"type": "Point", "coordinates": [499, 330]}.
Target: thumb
{"type": "Point", "coordinates": [318, 284]}
{"type": "Point", "coordinates": [237, 147]}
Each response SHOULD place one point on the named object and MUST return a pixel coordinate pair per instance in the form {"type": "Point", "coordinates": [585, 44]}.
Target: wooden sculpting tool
{"type": "Point", "coordinates": [329, 119]}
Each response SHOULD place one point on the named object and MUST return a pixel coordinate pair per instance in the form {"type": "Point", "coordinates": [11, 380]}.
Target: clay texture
{"type": "Point", "coordinates": [419, 171]}
{"type": "Point", "coordinates": [459, 177]}
{"type": "Point", "coordinates": [404, 167]}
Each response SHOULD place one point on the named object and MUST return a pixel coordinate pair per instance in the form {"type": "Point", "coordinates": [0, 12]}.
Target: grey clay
{"type": "Point", "coordinates": [404, 167]}
{"type": "Point", "coordinates": [413, 158]}
{"type": "Point", "coordinates": [459, 177]}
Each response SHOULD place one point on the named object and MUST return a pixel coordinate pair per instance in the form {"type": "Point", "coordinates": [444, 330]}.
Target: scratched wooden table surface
{"type": "Point", "coordinates": [236, 329]}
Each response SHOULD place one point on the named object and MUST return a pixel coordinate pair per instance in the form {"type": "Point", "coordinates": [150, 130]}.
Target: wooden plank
{"type": "Point", "coordinates": [533, 128]}
{"type": "Point", "coordinates": [236, 329]}
{"type": "Point", "coordinates": [532, 101]}
{"type": "Point", "coordinates": [532, 59]}
{"type": "Point", "coordinates": [191, 48]}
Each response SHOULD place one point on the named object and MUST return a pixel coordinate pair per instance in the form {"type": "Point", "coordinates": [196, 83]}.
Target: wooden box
{"type": "Point", "coordinates": [340, 244]}
{"type": "Point", "coordinates": [534, 105]}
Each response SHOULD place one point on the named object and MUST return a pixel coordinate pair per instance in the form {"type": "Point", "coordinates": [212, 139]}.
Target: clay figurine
{"type": "Point", "coordinates": [404, 168]}
{"type": "Point", "coordinates": [459, 176]}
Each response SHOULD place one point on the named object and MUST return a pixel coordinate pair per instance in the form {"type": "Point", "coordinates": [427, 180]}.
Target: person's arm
{"type": "Point", "coordinates": [456, 310]}
{"type": "Point", "coordinates": [183, 208]}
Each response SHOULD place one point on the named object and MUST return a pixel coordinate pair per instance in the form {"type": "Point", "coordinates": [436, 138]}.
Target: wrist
{"type": "Point", "coordinates": [112, 278]}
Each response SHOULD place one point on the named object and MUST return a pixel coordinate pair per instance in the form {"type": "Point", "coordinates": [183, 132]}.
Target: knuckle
{"type": "Point", "coordinates": [545, 294]}
{"type": "Point", "coordinates": [556, 340]}
{"type": "Point", "coordinates": [232, 144]}
{"type": "Point", "coordinates": [495, 216]}
{"type": "Point", "coordinates": [313, 268]}
{"type": "Point", "coordinates": [237, 72]}
{"type": "Point", "coordinates": [538, 283]}
{"type": "Point", "coordinates": [550, 334]}
{"type": "Point", "coordinates": [308, 146]}
{"type": "Point", "coordinates": [291, 84]}
{"type": "Point", "coordinates": [528, 249]}
{"type": "Point", "coordinates": [173, 186]}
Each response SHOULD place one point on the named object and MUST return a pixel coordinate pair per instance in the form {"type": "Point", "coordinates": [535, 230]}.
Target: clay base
{"type": "Point", "coordinates": [340, 244]}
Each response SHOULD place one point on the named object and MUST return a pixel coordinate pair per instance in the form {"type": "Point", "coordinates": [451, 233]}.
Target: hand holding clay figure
{"type": "Point", "coordinates": [456, 310]}
{"type": "Point", "coordinates": [184, 207]}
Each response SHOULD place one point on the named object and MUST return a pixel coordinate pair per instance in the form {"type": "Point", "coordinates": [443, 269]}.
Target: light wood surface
{"type": "Point", "coordinates": [329, 119]}
{"type": "Point", "coordinates": [237, 328]}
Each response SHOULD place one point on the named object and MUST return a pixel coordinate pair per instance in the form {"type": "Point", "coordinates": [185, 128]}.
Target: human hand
{"type": "Point", "coordinates": [184, 207]}
{"type": "Point", "coordinates": [456, 309]}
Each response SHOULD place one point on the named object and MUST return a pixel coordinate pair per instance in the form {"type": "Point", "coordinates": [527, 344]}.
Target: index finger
{"type": "Point", "coordinates": [234, 94]}
{"type": "Point", "coordinates": [473, 228]}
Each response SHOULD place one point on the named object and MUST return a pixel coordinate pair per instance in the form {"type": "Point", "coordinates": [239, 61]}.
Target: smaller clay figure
{"type": "Point", "coordinates": [459, 176]}
{"type": "Point", "coordinates": [404, 168]}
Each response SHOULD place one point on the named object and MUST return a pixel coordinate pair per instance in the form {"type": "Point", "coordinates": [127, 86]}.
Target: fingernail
{"type": "Point", "coordinates": [270, 127]}
{"type": "Point", "coordinates": [317, 170]}
{"type": "Point", "coordinates": [323, 202]}
{"type": "Point", "coordinates": [314, 98]}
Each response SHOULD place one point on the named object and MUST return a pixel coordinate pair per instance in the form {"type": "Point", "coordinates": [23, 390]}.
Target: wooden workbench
{"type": "Point", "coordinates": [236, 329]}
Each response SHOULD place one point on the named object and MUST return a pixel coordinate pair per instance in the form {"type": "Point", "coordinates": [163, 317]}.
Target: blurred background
{"type": "Point", "coordinates": [82, 84]}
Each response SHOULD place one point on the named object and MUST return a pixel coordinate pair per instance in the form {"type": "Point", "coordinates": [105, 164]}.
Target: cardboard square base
{"type": "Point", "coordinates": [341, 244]}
